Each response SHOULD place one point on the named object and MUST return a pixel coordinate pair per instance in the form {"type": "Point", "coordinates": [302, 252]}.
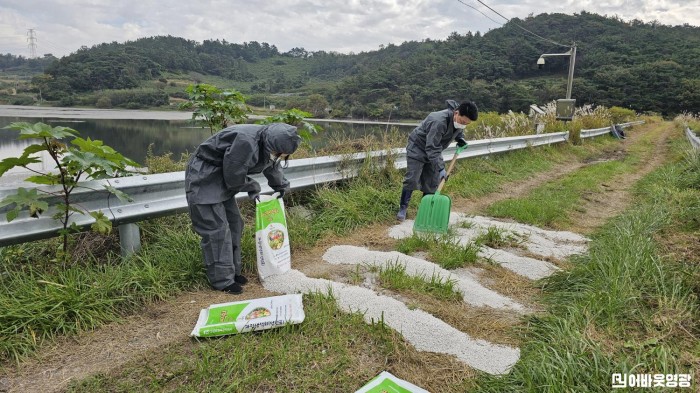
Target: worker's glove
{"type": "Point", "coordinates": [281, 193]}
{"type": "Point", "coordinates": [443, 174]}
{"type": "Point", "coordinates": [254, 196]}
{"type": "Point", "coordinates": [461, 142]}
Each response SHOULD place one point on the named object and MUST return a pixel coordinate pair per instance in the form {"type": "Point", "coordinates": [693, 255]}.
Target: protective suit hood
{"type": "Point", "coordinates": [281, 138]}
{"type": "Point", "coordinates": [452, 104]}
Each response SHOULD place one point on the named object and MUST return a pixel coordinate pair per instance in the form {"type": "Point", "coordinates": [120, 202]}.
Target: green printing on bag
{"type": "Point", "coordinates": [224, 314]}
{"type": "Point", "coordinates": [229, 328]}
{"type": "Point", "coordinates": [269, 212]}
{"type": "Point", "coordinates": [387, 385]}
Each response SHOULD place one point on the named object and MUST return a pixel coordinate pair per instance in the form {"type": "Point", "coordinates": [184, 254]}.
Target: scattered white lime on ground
{"type": "Point", "coordinates": [472, 291]}
{"type": "Point", "coordinates": [422, 330]}
{"type": "Point", "coordinates": [537, 241]}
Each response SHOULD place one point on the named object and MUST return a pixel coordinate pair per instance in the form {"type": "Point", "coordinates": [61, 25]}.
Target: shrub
{"type": "Point", "coordinates": [137, 98]}
{"type": "Point", "coordinates": [103, 102]}
{"type": "Point", "coordinates": [621, 115]}
{"type": "Point", "coordinates": [22, 100]}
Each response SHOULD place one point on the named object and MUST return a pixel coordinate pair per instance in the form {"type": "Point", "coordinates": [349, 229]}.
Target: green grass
{"type": "Point", "coordinates": [40, 302]}
{"type": "Point", "coordinates": [394, 277]}
{"type": "Point", "coordinates": [550, 204]}
{"type": "Point", "coordinates": [497, 238]}
{"type": "Point", "coordinates": [480, 176]}
{"type": "Point", "coordinates": [443, 250]}
{"type": "Point", "coordinates": [330, 351]}
{"type": "Point", "coordinates": [626, 307]}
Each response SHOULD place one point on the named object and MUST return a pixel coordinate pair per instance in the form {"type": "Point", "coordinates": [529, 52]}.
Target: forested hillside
{"type": "Point", "coordinates": [643, 66]}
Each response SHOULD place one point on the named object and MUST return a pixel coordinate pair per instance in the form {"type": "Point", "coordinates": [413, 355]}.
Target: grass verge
{"type": "Point", "coordinates": [550, 204]}
{"type": "Point", "coordinates": [629, 307]}
{"type": "Point", "coordinates": [40, 302]}
{"type": "Point", "coordinates": [332, 351]}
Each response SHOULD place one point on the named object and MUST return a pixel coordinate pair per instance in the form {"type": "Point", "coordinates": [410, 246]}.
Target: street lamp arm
{"type": "Point", "coordinates": [572, 61]}
{"type": "Point", "coordinates": [556, 54]}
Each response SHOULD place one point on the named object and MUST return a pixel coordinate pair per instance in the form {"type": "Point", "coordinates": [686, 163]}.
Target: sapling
{"type": "Point", "coordinates": [75, 161]}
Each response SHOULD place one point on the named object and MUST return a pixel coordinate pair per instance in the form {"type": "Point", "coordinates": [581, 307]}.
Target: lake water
{"type": "Point", "coordinates": [133, 137]}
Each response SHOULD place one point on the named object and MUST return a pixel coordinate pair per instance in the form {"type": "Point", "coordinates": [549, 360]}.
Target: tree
{"type": "Point", "coordinates": [217, 108]}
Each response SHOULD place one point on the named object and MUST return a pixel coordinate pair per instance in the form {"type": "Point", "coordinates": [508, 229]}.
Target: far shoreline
{"type": "Point", "coordinates": [55, 112]}
{"type": "Point", "coordinates": [90, 113]}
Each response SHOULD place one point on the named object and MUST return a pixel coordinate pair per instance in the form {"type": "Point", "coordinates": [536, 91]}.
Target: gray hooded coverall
{"type": "Point", "coordinates": [424, 150]}
{"type": "Point", "coordinates": [216, 172]}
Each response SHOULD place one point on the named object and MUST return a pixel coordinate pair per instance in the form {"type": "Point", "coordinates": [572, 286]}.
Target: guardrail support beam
{"type": "Point", "coordinates": [129, 239]}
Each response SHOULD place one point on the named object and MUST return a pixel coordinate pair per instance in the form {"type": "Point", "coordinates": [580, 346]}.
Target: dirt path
{"type": "Point", "coordinates": [165, 324]}
{"type": "Point", "coordinates": [598, 207]}
{"type": "Point", "coordinates": [522, 188]}
{"type": "Point", "coordinates": [515, 190]}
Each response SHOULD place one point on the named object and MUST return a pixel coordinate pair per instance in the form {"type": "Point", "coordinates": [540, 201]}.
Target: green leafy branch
{"type": "Point", "coordinates": [295, 117]}
{"type": "Point", "coordinates": [82, 159]}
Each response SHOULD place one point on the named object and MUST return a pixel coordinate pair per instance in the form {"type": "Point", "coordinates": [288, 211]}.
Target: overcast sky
{"type": "Point", "coordinates": [63, 26]}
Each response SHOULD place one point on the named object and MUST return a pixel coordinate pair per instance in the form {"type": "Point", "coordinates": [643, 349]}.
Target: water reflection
{"type": "Point", "coordinates": [129, 137]}
{"type": "Point", "coordinates": [133, 137]}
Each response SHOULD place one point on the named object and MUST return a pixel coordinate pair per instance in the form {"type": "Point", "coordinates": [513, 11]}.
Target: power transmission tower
{"type": "Point", "coordinates": [32, 43]}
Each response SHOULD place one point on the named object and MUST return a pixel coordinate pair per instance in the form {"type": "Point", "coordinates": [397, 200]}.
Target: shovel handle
{"type": "Point", "coordinates": [449, 169]}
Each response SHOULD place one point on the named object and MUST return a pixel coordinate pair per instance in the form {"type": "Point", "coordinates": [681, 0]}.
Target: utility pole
{"type": "Point", "coordinates": [565, 107]}
{"type": "Point", "coordinates": [31, 37]}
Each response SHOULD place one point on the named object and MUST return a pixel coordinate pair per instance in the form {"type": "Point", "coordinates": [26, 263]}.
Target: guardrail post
{"type": "Point", "coordinates": [129, 239]}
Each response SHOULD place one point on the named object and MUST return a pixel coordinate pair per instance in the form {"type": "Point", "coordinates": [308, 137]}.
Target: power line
{"type": "Point", "coordinates": [479, 11]}
{"type": "Point", "coordinates": [508, 20]}
{"type": "Point", "coordinates": [496, 12]}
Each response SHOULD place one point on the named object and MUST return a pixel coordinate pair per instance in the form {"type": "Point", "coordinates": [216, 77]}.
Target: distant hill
{"type": "Point", "coordinates": [643, 66]}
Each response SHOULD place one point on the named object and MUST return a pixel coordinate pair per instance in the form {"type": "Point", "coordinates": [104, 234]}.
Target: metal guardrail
{"type": "Point", "coordinates": [606, 130]}
{"type": "Point", "coordinates": [163, 194]}
{"type": "Point", "coordinates": [692, 137]}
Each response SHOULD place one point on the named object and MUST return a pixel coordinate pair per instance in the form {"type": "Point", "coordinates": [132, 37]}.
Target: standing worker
{"type": "Point", "coordinates": [216, 172]}
{"type": "Point", "coordinates": [424, 165]}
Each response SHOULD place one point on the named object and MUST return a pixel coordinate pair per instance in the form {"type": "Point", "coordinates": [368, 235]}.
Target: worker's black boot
{"type": "Point", "coordinates": [403, 205]}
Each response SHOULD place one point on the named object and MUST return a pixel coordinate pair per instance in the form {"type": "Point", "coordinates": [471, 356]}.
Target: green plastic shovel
{"type": "Point", "coordinates": [434, 210]}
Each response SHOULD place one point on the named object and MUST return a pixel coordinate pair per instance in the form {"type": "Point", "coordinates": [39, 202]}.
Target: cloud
{"type": "Point", "coordinates": [63, 26]}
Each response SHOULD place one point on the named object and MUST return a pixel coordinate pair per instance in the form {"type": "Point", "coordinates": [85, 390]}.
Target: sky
{"type": "Point", "coordinates": [60, 27]}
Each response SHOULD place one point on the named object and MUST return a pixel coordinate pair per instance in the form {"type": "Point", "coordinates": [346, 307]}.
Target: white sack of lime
{"type": "Point", "coordinates": [249, 315]}
{"type": "Point", "coordinates": [271, 237]}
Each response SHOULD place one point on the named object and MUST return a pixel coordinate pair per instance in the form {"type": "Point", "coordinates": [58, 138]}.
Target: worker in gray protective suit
{"type": "Point", "coordinates": [424, 165]}
{"type": "Point", "coordinates": [216, 172]}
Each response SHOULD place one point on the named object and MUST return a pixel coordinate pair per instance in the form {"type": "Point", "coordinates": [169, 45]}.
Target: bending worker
{"type": "Point", "coordinates": [216, 172]}
{"type": "Point", "coordinates": [425, 167]}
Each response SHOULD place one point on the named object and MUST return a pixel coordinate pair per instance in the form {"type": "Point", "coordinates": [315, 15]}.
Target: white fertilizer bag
{"type": "Point", "coordinates": [388, 383]}
{"type": "Point", "coordinates": [249, 315]}
{"type": "Point", "coordinates": [271, 237]}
